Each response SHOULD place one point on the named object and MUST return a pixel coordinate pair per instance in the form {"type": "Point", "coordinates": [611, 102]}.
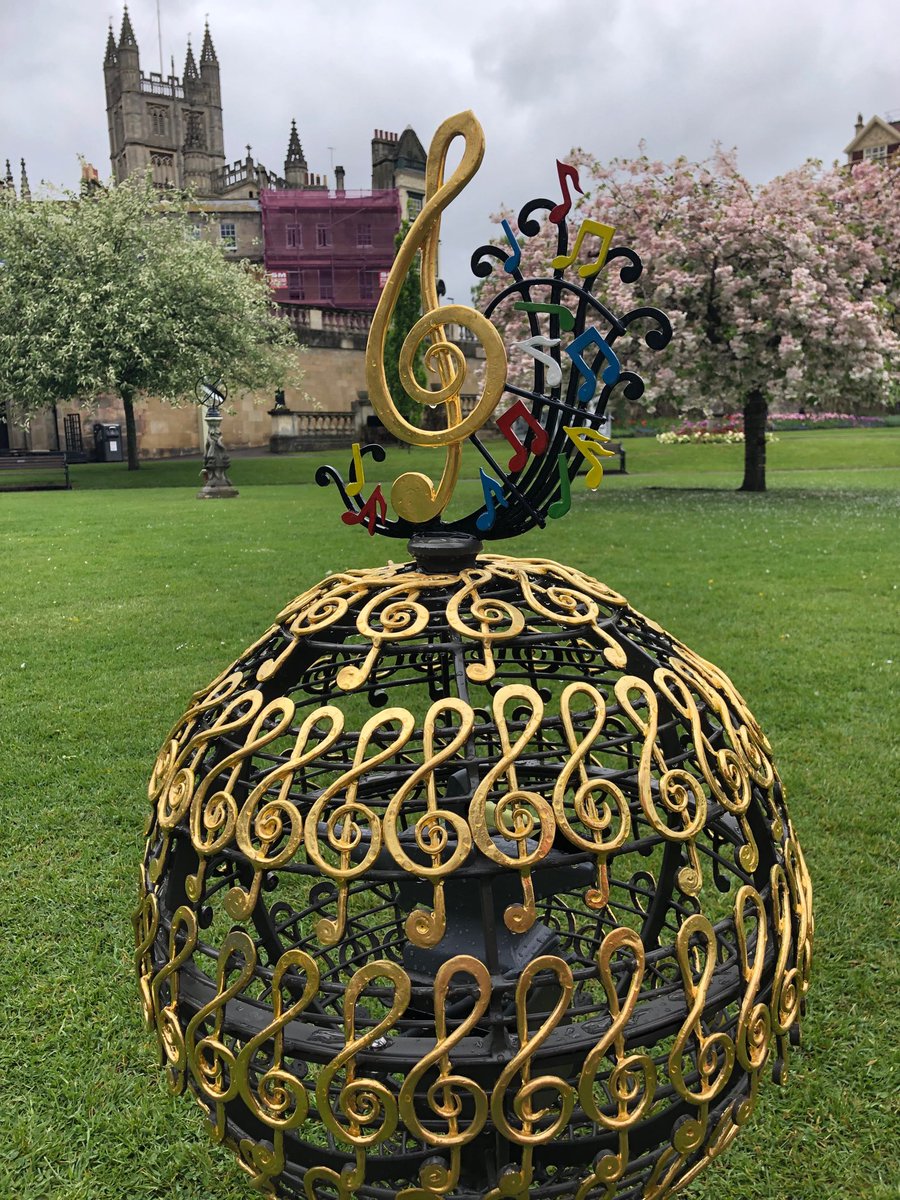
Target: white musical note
{"type": "Point", "coordinates": [530, 346]}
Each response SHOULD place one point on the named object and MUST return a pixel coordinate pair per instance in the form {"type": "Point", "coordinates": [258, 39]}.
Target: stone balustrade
{"type": "Point", "coordinates": [311, 430]}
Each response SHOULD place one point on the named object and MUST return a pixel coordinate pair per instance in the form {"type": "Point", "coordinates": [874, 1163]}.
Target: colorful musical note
{"type": "Point", "coordinates": [530, 346]}
{"type": "Point", "coordinates": [374, 507]}
{"type": "Point", "coordinates": [492, 491]}
{"type": "Point", "coordinates": [610, 374]}
{"type": "Point", "coordinates": [512, 262]}
{"type": "Point", "coordinates": [589, 442]}
{"type": "Point", "coordinates": [565, 172]}
{"type": "Point", "coordinates": [518, 412]}
{"type": "Point", "coordinates": [566, 318]}
{"type": "Point", "coordinates": [603, 232]}
{"type": "Point", "coordinates": [560, 507]}
{"type": "Point", "coordinates": [358, 482]}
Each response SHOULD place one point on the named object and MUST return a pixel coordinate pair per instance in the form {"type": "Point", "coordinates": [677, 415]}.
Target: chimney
{"type": "Point", "coordinates": [339, 180]}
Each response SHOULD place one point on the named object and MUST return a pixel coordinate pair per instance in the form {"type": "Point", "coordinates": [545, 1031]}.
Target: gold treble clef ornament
{"type": "Point", "coordinates": [413, 495]}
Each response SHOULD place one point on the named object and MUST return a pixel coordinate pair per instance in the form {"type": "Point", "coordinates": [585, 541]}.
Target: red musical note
{"type": "Point", "coordinates": [518, 412]}
{"type": "Point", "coordinates": [565, 172]}
{"type": "Point", "coordinates": [374, 507]}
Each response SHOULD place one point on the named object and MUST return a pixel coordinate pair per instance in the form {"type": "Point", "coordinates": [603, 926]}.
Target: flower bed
{"type": "Point", "coordinates": [723, 431]}
{"type": "Point", "coordinates": [728, 430]}
{"type": "Point", "coordinates": [823, 420]}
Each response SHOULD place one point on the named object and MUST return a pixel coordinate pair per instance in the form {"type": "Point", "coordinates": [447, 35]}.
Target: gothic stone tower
{"type": "Point", "coordinates": [173, 126]}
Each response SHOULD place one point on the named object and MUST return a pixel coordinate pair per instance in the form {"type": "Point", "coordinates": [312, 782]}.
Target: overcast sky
{"type": "Point", "coordinates": [782, 80]}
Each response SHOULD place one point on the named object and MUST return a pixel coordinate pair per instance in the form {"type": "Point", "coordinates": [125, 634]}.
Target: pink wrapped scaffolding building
{"type": "Point", "coordinates": [329, 249]}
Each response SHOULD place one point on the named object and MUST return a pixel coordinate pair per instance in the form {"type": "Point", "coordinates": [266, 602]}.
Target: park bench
{"type": "Point", "coordinates": [617, 449]}
{"type": "Point", "coordinates": [33, 470]}
{"type": "Point", "coordinates": [608, 469]}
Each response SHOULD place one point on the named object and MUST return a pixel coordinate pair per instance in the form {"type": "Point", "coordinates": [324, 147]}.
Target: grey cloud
{"type": "Point", "coordinates": [781, 81]}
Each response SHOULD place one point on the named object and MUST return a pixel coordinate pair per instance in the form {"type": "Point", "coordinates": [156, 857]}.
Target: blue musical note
{"type": "Point", "coordinates": [611, 372]}
{"type": "Point", "coordinates": [492, 489]}
{"type": "Point", "coordinates": [512, 263]}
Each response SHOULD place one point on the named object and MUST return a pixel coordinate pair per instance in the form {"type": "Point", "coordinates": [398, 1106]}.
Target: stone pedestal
{"type": "Point", "coordinates": [216, 461]}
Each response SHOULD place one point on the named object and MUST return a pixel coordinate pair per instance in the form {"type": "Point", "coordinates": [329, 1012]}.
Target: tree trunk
{"type": "Point", "coordinates": [756, 412]}
{"type": "Point", "coordinates": [127, 395]}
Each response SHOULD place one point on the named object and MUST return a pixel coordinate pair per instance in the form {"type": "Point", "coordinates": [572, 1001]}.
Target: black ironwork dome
{"type": "Point", "coordinates": [468, 880]}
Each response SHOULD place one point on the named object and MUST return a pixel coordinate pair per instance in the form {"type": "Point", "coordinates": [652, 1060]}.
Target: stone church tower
{"type": "Point", "coordinates": [172, 125]}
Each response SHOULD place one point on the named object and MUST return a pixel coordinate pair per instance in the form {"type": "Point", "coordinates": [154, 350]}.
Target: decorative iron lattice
{"type": "Point", "coordinates": [467, 880]}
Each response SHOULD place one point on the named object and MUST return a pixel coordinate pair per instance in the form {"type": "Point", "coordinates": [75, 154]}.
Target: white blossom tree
{"type": "Point", "coordinates": [113, 291]}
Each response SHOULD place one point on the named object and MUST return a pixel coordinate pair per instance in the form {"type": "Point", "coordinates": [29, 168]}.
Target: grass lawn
{"type": "Point", "coordinates": [121, 597]}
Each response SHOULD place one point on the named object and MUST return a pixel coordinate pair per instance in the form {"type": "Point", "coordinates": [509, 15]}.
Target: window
{"type": "Point", "coordinates": [323, 235]}
{"type": "Point", "coordinates": [414, 204]}
{"type": "Point", "coordinates": [295, 285]}
{"type": "Point", "coordinates": [368, 281]}
{"type": "Point", "coordinates": [326, 285]}
{"type": "Point", "coordinates": [195, 130]}
{"type": "Point", "coordinates": [875, 153]}
{"type": "Point", "coordinates": [364, 233]}
{"type": "Point", "coordinates": [159, 120]}
{"type": "Point", "coordinates": [162, 169]}
{"type": "Point", "coordinates": [293, 236]}
{"type": "Point", "coordinates": [227, 235]}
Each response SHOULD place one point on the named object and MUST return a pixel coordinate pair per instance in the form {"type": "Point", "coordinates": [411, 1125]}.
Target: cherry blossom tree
{"type": "Point", "coordinates": [780, 295]}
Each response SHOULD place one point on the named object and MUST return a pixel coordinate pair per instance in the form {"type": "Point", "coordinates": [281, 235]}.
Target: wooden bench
{"type": "Point", "coordinates": [608, 469]}
{"type": "Point", "coordinates": [33, 470]}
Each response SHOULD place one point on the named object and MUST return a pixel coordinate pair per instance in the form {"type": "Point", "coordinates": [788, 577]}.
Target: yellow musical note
{"type": "Point", "coordinates": [590, 443]}
{"type": "Point", "coordinates": [588, 226]}
{"type": "Point", "coordinates": [358, 482]}
{"type": "Point", "coordinates": [413, 495]}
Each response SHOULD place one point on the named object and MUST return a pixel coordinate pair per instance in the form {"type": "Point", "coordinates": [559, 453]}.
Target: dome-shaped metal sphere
{"type": "Point", "coordinates": [468, 880]}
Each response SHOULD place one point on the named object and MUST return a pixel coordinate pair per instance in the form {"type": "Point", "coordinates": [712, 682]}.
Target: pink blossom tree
{"type": "Point", "coordinates": [780, 295]}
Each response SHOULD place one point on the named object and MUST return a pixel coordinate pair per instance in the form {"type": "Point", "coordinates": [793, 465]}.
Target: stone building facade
{"type": "Point", "coordinates": [173, 126]}
{"type": "Point", "coordinates": [293, 223]}
{"type": "Point", "coordinates": [876, 140]}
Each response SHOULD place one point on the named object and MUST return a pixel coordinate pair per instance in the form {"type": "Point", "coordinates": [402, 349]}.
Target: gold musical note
{"type": "Point", "coordinates": [588, 226]}
{"type": "Point", "coordinates": [589, 442]}
{"type": "Point", "coordinates": [413, 495]}
{"type": "Point", "coordinates": [518, 816]}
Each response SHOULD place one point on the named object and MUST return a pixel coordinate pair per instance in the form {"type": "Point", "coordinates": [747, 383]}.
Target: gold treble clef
{"type": "Point", "coordinates": [413, 495]}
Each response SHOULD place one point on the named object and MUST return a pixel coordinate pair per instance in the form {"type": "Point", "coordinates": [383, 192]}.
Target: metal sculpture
{"type": "Point", "coordinates": [466, 879]}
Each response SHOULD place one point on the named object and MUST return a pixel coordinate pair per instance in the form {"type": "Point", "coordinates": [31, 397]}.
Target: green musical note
{"type": "Point", "coordinates": [566, 318]}
{"type": "Point", "coordinates": [560, 507]}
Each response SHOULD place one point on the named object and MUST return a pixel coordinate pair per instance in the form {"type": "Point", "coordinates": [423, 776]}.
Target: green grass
{"type": "Point", "coordinates": [122, 596]}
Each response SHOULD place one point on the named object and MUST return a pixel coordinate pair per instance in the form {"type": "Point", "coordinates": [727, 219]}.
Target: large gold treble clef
{"type": "Point", "coordinates": [413, 495]}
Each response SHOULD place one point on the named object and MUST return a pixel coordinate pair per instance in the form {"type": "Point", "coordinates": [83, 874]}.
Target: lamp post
{"type": "Point", "coordinates": [216, 461]}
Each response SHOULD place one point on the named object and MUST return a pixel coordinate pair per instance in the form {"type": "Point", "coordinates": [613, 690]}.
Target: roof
{"type": "Point", "coordinates": [878, 125]}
